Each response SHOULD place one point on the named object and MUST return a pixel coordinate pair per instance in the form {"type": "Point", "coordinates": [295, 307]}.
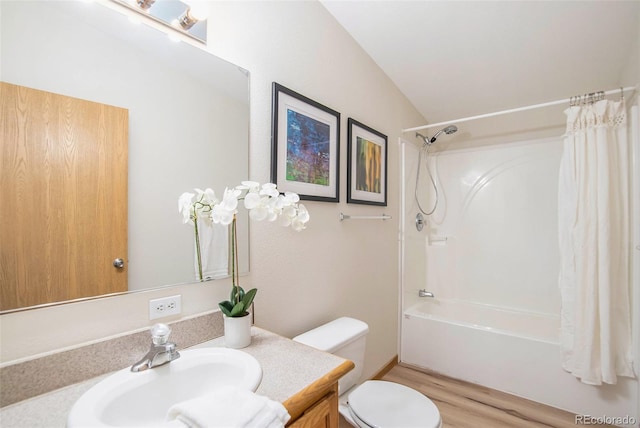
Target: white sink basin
{"type": "Point", "coordinates": [143, 399]}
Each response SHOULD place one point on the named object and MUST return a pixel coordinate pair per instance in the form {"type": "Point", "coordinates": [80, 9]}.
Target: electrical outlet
{"type": "Point", "coordinates": [165, 306]}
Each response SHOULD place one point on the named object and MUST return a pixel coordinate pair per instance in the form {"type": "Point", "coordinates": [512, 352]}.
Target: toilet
{"type": "Point", "coordinates": [374, 403]}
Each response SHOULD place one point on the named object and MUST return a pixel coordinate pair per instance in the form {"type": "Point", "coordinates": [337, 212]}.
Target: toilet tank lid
{"type": "Point", "coordinates": [334, 334]}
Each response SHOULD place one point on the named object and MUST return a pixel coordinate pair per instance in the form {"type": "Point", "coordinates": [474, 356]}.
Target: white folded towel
{"type": "Point", "coordinates": [230, 407]}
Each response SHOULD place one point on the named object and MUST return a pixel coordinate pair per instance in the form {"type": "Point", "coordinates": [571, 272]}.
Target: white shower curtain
{"type": "Point", "coordinates": [593, 202]}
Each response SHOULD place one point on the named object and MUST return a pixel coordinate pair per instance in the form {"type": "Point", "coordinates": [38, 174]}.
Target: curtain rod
{"type": "Point", "coordinates": [513, 110]}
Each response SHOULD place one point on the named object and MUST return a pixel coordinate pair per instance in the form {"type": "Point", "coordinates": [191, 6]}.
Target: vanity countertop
{"type": "Point", "coordinates": [292, 372]}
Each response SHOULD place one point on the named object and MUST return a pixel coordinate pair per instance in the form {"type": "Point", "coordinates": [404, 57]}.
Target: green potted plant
{"type": "Point", "coordinates": [264, 202]}
{"type": "Point", "coordinates": [237, 322]}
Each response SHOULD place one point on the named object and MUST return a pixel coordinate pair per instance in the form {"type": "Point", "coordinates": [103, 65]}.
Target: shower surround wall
{"type": "Point", "coordinates": [490, 256]}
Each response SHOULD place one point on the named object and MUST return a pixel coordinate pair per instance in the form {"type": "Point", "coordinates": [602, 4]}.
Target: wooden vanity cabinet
{"type": "Point", "coordinates": [322, 414]}
{"type": "Point", "coordinates": [316, 406]}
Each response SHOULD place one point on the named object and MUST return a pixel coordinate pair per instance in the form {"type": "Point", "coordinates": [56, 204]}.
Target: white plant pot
{"type": "Point", "coordinates": [237, 331]}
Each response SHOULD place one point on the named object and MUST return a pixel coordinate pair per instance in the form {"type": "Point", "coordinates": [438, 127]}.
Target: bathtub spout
{"type": "Point", "coordinates": [425, 293]}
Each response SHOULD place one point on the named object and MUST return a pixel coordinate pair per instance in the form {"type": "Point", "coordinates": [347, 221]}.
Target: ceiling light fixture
{"type": "Point", "coordinates": [187, 17]}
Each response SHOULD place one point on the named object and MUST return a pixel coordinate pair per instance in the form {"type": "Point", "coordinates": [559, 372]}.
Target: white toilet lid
{"type": "Point", "coordinates": [383, 404]}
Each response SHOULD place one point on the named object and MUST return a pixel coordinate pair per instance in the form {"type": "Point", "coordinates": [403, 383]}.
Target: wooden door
{"type": "Point", "coordinates": [63, 197]}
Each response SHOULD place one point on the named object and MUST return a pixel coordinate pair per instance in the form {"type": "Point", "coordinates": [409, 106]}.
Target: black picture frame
{"type": "Point", "coordinates": [305, 146]}
{"type": "Point", "coordinates": [366, 165]}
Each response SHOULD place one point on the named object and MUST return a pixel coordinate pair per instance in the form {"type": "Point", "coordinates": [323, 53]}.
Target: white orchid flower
{"type": "Point", "coordinates": [295, 216]}
{"type": "Point", "coordinates": [251, 186]}
{"type": "Point", "coordinates": [258, 206]}
{"type": "Point", "coordinates": [205, 201]}
{"type": "Point", "coordinates": [207, 196]}
{"type": "Point", "coordinates": [252, 200]}
{"type": "Point", "coordinates": [264, 202]}
{"type": "Point", "coordinates": [303, 214]}
{"type": "Point", "coordinates": [221, 216]}
{"type": "Point", "coordinates": [287, 216]}
{"type": "Point", "coordinates": [185, 204]}
{"type": "Point", "coordinates": [284, 201]}
{"type": "Point", "coordinates": [299, 222]}
{"type": "Point", "coordinates": [275, 208]}
{"type": "Point", "coordinates": [259, 213]}
{"type": "Point", "coordinates": [230, 198]}
{"type": "Point", "coordinates": [224, 211]}
{"type": "Point", "coordinates": [269, 189]}
{"type": "Point", "coordinates": [291, 198]}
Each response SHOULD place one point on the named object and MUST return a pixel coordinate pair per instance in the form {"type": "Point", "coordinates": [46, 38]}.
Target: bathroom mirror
{"type": "Point", "coordinates": [188, 117]}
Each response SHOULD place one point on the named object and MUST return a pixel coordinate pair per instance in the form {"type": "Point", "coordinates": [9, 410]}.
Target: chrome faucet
{"type": "Point", "coordinates": [162, 351]}
{"type": "Point", "coordinates": [425, 293]}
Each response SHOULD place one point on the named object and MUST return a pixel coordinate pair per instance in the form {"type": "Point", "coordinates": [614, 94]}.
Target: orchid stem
{"type": "Point", "coordinates": [234, 261]}
{"type": "Point", "coordinates": [198, 255]}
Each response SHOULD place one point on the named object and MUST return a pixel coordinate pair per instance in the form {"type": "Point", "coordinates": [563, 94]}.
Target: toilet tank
{"type": "Point", "coordinates": [345, 337]}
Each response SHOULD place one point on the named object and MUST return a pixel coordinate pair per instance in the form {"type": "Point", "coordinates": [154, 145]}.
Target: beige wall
{"type": "Point", "coordinates": [630, 75]}
{"type": "Point", "coordinates": [331, 269]}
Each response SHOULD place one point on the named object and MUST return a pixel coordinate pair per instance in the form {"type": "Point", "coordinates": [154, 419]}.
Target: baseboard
{"type": "Point", "coordinates": [386, 369]}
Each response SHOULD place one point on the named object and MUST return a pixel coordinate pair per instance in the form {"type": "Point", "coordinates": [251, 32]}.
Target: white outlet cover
{"type": "Point", "coordinates": [165, 306]}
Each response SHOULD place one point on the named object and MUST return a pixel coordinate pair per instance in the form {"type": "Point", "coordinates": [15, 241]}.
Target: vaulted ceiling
{"type": "Point", "coordinates": [455, 59]}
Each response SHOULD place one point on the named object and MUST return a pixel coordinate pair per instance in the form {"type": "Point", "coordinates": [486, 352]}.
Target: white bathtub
{"type": "Point", "coordinates": [530, 325]}
{"type": "Point", "coordinates": [511, 351]}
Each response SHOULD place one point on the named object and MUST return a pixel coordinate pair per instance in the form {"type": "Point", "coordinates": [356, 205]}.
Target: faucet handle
{"type": "Point", "coordinates": [160, 334]}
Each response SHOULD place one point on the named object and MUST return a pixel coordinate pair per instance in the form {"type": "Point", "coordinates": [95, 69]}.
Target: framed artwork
{"type": "Point", "coordinates": [305, 151]}
{"type": "Point", "coordinates": [366, 165]}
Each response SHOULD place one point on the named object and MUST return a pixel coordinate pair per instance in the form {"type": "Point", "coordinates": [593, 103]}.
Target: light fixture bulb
{"type": "Point", "coordinates": [145, 4]}
{"type": "Point", "coordinates": [186, 20]}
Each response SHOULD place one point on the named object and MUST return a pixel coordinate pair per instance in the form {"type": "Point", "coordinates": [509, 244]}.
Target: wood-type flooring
{"type": "Point", "coordinates": [466, 405]}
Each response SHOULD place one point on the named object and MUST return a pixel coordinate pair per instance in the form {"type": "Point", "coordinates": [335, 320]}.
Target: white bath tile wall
{"type": "Point", "coordinates": [413, 242]}
{"type": "Point", "coordinates": [497, 212]}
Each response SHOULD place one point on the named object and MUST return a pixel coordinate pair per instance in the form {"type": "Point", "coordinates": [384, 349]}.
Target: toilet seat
{"type": "Point", "coordinates": [381, 404]}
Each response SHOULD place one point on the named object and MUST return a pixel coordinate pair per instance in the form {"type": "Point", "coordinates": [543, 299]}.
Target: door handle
{"type": "Point", "coordinates": [118, 263]}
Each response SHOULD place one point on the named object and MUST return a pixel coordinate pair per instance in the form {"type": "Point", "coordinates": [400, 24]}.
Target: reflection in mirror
{"type": "Point", "coordinates": [187, 122]}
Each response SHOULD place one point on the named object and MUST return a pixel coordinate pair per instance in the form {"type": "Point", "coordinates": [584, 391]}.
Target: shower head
{"type": "Point", "coordinates": [447, 130]}
{"type": "Point", "coordinates": [450, 129]}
